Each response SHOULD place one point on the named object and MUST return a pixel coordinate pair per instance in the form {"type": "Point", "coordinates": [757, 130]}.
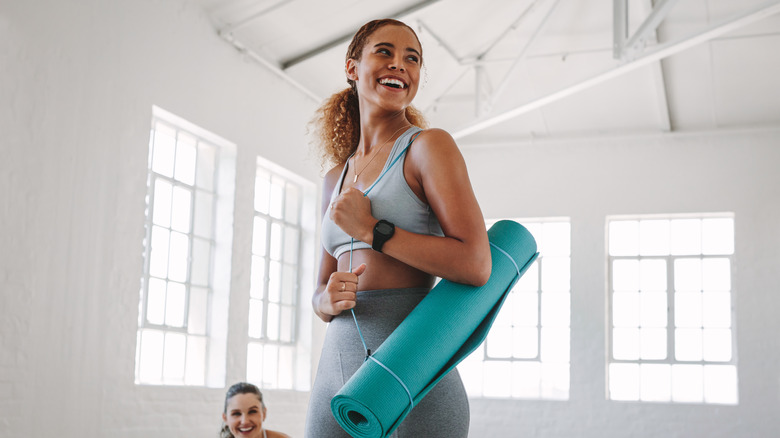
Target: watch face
{"type": "Point", "coordinates": [383, 228]}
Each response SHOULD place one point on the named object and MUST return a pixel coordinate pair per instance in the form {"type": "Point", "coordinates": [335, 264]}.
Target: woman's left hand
{"type": "Point", "coordinates": [351, 211]}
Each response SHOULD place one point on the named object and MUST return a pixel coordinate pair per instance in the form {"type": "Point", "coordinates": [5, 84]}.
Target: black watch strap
{"type": "Point", "coordinates": [383, 231]}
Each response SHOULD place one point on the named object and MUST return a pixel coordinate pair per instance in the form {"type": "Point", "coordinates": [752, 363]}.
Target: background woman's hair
{"type": "Point", "coordinates": [238, 388]}
{"type": "Point", "coordinates": [337, 122]}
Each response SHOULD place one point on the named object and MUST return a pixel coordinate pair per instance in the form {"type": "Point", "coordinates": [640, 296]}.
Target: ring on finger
{"type": "Point", "coordinates": [343, 286]}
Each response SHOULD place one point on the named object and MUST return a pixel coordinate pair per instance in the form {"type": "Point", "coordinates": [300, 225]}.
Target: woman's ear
{"type": "Point", "coordinates": [224, 417]}
{"type": "Point", "coordinates": [351, 69]}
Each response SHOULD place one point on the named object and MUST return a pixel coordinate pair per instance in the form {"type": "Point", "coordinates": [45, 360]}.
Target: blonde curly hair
{"type": "Point", "coordinates": [336, 123]}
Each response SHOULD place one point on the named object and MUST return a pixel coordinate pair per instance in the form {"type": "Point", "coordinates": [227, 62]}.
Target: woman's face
{"type": "Point", "coordinates": [388, 72]}
{"type": "Point", "coordinates": [244, 416]}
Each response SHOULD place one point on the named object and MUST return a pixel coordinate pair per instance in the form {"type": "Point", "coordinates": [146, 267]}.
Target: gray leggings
{"type": "Point", "coordinates": [443, 412]}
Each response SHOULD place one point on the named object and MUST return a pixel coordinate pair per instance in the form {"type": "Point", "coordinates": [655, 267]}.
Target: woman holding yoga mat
{"type": "Point", "coordinates": [398, 211]}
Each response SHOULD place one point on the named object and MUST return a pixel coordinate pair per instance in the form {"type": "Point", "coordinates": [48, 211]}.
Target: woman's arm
{"type": "Point", "coordinates": [437, 173]}
{"type": "Point", "coordinates": [336, 291]}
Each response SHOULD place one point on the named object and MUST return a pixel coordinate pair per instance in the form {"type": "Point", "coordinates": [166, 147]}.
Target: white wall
{"type": "Point", "coordinates": [587, 180]}
{"type": "Point", "coordinates": [77, 83]}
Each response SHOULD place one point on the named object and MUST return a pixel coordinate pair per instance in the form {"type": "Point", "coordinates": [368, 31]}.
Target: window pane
{"type": "Point", "coordinates": [198, 311]}
{"type": "Point", "coordinates": [257, 283]}
{"type": "Point", "coordinates": [716, 345]}
{"type": "Point", "coordinates": [652, 343]}
{"type": "Point", "coordinates": [163, 191]}
{"type": "Point", "coordinates": [624, 381]}
{"type": "Point", "coordinates": [556, 239]}
{"type": "Point", "coordinates": [625, 343]}
{"type": "Point", "coordinates": [720, 384]}
{"type": "Point", "coordinates": [497, 375]}
{"type": "Point", "coordinates": [272, 329]}
{"type": "Point", "coordinates": [718, 236]}
{"type": "Point", "coordinates": [207, 165]}
{"type": "Point", "coordinates": [262, 191]}
{"type": "Point", "coordinates": [276, 206]}
{"type": "Point", "coordinates": [687, 383]}
{"type": "Point", "coordinates": [185, 158]}
{"type": "Point", "coordinates": [275, 282]}
{"type": "Point", "coordinates": [173, 364]}
{"type": "Point", "coordinates": [555, 344]}
{"type": "Point", "coordinates": [292, 204]}
{"type": "Point", "coordinates": [164, 150]}
{"type": "Point", "coordinates": [555, 381]}
{"type": "Point", "coordinates": [716, 310]}
{"type": "Point", "coordinates": [158, 260]}
{"type": "Point", "coordinates": [555, 274]}
{"type": "Point", "coordinates": [254, 363]}
{"type": "Point", "coordinates": [525, 342]}
{"type": "Point", "coordinates": [276, 241]}
{"type": "Point", "coordinates": [625, 275]}
{"type": "Point", "coordinates": [654, 237]}
{"type": "Point", "coordinates": [525, 308]}
{"type": "Point", "coordinates": [529, 282]}
{"type": "Point", "coordinates": [195, 372]}
{"type": "Point", "coordinates": [655, 382]}
{"type": "Point", "coordinates": [290, 245]}
{"type": "Point", "coordinates": [256, 319]}
{"type": "Point", "coordinates": [178, 257]}
{"type": "Point", "coordinates": [716, 275]}
{"type": "Point", "coordinates": [204, 213]}
{"type": "Point", "coordinates": [155, 301]}
{"type": "Point", "coordinates": [625, 309]}
{"type": "Point", "coordinates": [288, 284]}
{"type": "Point", "coordinates": [686, 236]}
{"type": "Point", "coordinates": [181, 209]}
{"type": "Point", "coordinates": [259, 236]}
{"type": "Point", "coordinates": [270, 365]}
{"type": "Point", "coordinates": [623, 238]}
{"type": "Point", "coordinates": [286, 324]}
{"type": "Point", "coordinates": [687, 275]}
{"type": "Point", "coordinates": [201, 262]}
{"type": "Point", "coordinates": [555, 309]}
{"type": "Point", "coordinates": [652, 275]}
{"type": "Point", "coordinates": [286, 366]}
{"type": "Point", "coordinates": [653, 309]}
{"type": "Point", "coordinates": [688, 309]}
{"type": "Point", "coordinates": [528, 385]}
{"type": "Point", "coordinates": [688, 344]}
{"type": "Point", "coordinates": [174, 305]}
{"type": "Point", "coordinates": [499, 342]}
{"type": "Point", "coordinates": [151, 363]}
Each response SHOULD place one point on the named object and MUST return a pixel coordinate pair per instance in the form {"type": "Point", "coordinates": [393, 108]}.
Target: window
{"type": "Point", "coordinates": [282, 251]}
{"type": "Point", "coordinates": [526, 353]}
{"type": "Point", "coordinates": [671, 308]}
{"type": "Point", "coordinates": [189, 215]}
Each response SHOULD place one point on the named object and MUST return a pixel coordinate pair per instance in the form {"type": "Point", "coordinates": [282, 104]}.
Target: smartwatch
{"type": "Point", "coordinates": [383, 231]}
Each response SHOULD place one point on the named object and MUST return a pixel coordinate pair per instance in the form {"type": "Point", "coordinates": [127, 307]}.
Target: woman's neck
{"type": "Point", "coordinates": [376, 130]}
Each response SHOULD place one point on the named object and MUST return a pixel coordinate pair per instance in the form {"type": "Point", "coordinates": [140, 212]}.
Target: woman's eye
{"type": "Point", "coordinates": [383, 51]}
{"type": "Point", "coordinates": [413, 59]}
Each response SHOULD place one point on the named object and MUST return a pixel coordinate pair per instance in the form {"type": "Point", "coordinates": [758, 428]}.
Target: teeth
{"type": "Point", "coordinates": [392, 82]}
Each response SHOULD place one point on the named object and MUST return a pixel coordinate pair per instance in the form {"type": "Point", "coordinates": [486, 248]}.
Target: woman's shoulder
{"type": "Point", "coordinates": [434, 143]}
{"type": "Point", "coordinates": [275, 434]}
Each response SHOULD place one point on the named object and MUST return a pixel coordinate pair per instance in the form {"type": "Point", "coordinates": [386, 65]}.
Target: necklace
{"type": "Point", "coordinates": [357, 174]}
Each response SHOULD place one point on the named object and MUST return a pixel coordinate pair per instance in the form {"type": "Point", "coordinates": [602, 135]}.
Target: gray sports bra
{"type": "Point", "coordinates": [391, 199]}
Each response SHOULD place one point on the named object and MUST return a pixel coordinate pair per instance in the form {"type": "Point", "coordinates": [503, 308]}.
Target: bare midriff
{"type": "Point", "coordinates": [384, 272]}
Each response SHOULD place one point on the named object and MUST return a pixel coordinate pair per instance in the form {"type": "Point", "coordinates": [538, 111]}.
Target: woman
{"type": "Point", "coordinates": [245, 413]}
{"type": "Point", "coordinates": [393, 220]}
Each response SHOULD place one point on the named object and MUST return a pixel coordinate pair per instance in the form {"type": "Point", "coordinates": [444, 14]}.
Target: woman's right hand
{"type": "Point", "coordinates": [340, 292]}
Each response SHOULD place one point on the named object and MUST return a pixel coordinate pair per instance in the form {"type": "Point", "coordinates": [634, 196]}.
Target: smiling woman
{"type": "Point", "coordinates": [245, 413]}
{"type": "Point", "coordinates": [398, 211]}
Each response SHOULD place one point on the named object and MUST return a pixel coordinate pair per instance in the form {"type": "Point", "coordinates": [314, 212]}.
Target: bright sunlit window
{"type": "Point", "coordinates": [281, 251]}
{"type": "Point", "coordinates": [526, 353]}
{"type": "Point", "coordinates": [188, 215]}
{"type": "Point", "coordinates": [671, 315]}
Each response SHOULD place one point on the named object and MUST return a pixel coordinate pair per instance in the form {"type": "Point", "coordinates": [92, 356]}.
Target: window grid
{"type": "Point", "coordinates": [526, 353]}
{"type": "Point", "coordinates": [274, 290]}
{"type": "Point", "coordinates": [176, 286]}
{"type": "Point", "coordinates": [657, 325]}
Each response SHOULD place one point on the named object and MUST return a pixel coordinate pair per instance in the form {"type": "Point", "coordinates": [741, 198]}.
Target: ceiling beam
{"type": "Point", "coordinates": [285, 64]}
{"type": "Point", "coordinates": [662, 51]}
{"type": "Point", "coordinates": [632, 47]}
{"type": "Point", "coordinates": [273, 68]}
{"type": "Point", "coordinates": [233, 26]}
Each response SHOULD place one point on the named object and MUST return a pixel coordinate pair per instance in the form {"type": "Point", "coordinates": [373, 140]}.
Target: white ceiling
{"type": "Point", "coordinates": [503, 70]}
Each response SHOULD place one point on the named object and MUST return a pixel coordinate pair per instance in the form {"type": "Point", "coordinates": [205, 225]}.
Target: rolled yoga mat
{"type": "Point", "coordinates": [447, 325]}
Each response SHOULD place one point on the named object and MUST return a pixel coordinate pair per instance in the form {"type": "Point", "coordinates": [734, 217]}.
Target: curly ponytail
{"type": "Point", "coordinates": [337, 122]}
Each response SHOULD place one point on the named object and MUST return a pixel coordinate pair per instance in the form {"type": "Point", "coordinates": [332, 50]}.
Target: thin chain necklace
{"type": "Point", "coordinates": [357, 174]}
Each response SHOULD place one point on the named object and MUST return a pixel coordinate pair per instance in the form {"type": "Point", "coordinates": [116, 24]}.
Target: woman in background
{"type": "Point", "coordinates": [244, 414]}
{"type": "Point", "coordinates": [393, 220]}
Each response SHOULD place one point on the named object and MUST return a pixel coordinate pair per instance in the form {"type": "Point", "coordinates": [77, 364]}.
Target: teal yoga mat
{"type": "Point", "coordinates": [447, 325]}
